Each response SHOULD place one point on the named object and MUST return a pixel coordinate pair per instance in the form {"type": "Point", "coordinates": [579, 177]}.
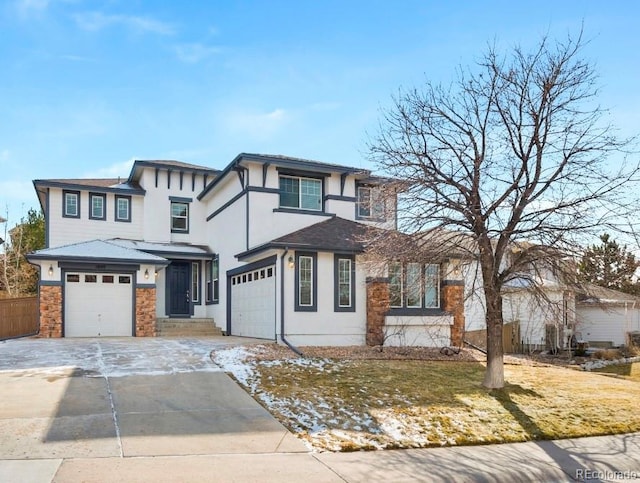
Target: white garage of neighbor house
{"type": "Point", "coordinates": [604, 317]}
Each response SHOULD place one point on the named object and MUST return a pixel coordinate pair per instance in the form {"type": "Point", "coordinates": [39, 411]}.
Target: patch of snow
{"type": "Point", "coordinates": [600, 363]}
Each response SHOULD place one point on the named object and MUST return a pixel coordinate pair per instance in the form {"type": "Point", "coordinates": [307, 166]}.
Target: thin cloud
{"type": "Point", "coordinates": [28, 8]}
{"type": "Point", "coordinates": [115, 170]}
{"type": "Point", "coordinates": [95, 21]}
{"type": "Point", "coordinates": [77, 58]}
{"type": "Point", "coordinates": [325, 106]}
{"type": "Point", "coordinates": [259, 126]}
{"type": "Point", "coordinates": [195, 52]}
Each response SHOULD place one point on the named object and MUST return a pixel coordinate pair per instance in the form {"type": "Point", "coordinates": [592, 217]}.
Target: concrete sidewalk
{"type": "Point", "coordinates": [607, 458]}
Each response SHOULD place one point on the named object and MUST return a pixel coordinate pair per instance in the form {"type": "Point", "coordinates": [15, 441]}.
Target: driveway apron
{"type": "Point", "coordinates": [71, 398]}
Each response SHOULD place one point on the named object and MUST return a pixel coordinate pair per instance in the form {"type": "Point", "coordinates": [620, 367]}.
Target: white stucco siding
{"type": "Point", "coordinates": [424, 331]}
{"type": "Point", "coordinates": [597, 324]}
{"type": "Point", "coordinates": [64, 231]}
{"type": "Point", "coordinates": [325, 326]}
{"type": "Point", "coordinates": [157, 224]}
{"type": "Point", "coordinates": [474, 302]}
{"type": "Point", "coordinates": [533, 314]}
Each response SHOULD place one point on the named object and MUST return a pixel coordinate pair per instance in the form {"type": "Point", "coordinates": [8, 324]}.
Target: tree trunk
{"type": "Point", "coordinates": [494, 375]}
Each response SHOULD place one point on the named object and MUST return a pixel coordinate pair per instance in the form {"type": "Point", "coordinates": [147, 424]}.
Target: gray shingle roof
{"type": "Point", "coordinates": [165, 249]}
{"type": "Point", "coordinates": [334, 234]}
{"type": "Point", "coordinates": [594, 294]}
{"type": "Point", "coordinates": [97, 250]}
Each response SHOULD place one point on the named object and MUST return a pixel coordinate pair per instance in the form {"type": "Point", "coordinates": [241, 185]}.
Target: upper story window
{"type": "Point", "coordinates": [370, 203]}
{"type": "Point", "coordinates": [71, 204]}
{"type": "Point", "coordinates": [97, 206]}
{"type": "Point", "coordinates": [414, 285]}
{"type": "Point", "coordinates": [301, 193]}
{"type": "Point", "coordinates": [123, 208]}
{"type": "Point", "coordinates": [179, 217]}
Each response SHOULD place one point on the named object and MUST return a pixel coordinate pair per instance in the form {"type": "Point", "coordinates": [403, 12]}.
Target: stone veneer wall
{"type": "Point", "coordinates": [377, 308]}
{"type": "Point", "coordinates": [146, 312]}
{"type": "Point", "coordinates": [50, 311]}
{"type": "Point", "coordinates": [453, 302]}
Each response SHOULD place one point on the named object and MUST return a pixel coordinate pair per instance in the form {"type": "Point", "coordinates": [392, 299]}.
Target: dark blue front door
{"type": "Point", "coordinates": [178, 277]}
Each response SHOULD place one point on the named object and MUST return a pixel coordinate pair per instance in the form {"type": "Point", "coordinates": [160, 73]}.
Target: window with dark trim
{"type": "Point", "coordinates": [306, 283]}
{"type": "Point", "coordinates": [97, 206]}
{"type": "Point", "coordinates": [370, 203]}
{"type": "Point", "coordinates": [414, 285]}
{"type": "Point", "coordinates": [344, 283]}
{"type": "Point", "coordinates": [195, 282]}
{"type": "Point", "coordinates": [301, 193]}
{"type": "Point", "coordinates": [179, 217]}
{"type": "Point", "coordinates": [123, 208]}
{"type": "Point", "coordinates": [71, 204]}
{"type": "Point", "coordinates": [211, 268]}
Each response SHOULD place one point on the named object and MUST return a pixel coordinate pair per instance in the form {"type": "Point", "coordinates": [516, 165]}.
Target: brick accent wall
{"type": "Point", "coordinates": [453, 302]}
{"type": "Point", "coordinates": [377, 307]}
{"type": "Point", "coordinates": [146, 312]}
{"type": "Point", "coordinates": [50, 311]}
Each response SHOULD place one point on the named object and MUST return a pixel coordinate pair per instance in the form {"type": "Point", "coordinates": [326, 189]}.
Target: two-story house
{"type": "Point", "coordinates": [270, 247]}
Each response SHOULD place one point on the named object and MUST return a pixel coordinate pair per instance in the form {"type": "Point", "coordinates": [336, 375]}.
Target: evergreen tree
{"type": "Point", "coordinates": [610, 265]}
{"type": "Point", "coordinates": [17, 276]}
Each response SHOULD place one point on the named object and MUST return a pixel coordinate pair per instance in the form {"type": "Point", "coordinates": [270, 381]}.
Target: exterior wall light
{"type": "Point", "coordinates": [146, 274]}
{"type": "Point", "coordinates": [291, 262]}
{"type": "Point", "coordinates": [51, 270]}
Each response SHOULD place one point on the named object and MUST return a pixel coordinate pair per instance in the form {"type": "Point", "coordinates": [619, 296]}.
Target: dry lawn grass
{"type": "Point", "coordinates": [626, 371]}
{"type": "Point", "coordinates": [364, 404]}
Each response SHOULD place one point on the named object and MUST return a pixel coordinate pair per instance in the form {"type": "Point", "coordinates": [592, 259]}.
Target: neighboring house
{"type": "Point", "coordinates": [604, 317]}
{"type": "Point", "coordinates": [270, 247]}
{"type": "Point", "coordinates": [535, 299]}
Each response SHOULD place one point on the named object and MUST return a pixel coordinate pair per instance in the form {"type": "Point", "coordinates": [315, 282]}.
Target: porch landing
{"type": "Point", "coordinates": [169, 327]}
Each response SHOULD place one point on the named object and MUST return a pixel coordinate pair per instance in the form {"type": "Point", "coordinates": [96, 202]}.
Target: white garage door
{"type": "Point", "coordinates": [98, 304]}
{"type": "Point", "coordinates": [253, 303]}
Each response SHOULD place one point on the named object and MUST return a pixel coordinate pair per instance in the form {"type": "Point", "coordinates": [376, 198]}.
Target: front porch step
{"type": "Point", "coordinates": [166, 327]}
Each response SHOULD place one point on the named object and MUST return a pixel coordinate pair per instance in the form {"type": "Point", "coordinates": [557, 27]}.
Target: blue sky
{"type": "Point", "coordinates": [88, 86]}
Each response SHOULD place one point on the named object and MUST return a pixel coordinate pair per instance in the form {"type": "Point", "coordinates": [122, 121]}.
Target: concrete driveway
{"type": "Point", "coordinates": [117, 398]}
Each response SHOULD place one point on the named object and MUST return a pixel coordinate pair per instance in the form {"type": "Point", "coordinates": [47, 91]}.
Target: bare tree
{"type": "Point", "coordinates": [512, 154]}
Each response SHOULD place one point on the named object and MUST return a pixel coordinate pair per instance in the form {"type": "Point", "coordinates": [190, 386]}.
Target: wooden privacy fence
{"type": "Point", "coordinates": [510, 337]}
{"type": "Point", "coordinates": [18, 317]}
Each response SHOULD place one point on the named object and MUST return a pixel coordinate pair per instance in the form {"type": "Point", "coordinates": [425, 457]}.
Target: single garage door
{"type": "Point", "coordinates": [98, 304]}
{"type": "Point", "coordinates": [253, 303]}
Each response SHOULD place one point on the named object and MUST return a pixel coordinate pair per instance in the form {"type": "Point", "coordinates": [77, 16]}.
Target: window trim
{"type": "Point", "coordinates": [64, 203]}
{"type": "Point", "coordinates": [336, 283]}
{"type": "Point", "coordinates": [195, 272]}
{"type": "Point", "coordinates": [313, 307]}
{"type": "Point", "coordinates": [425, 267]}
{"type": "Point", "coordinates": [372, 216]}
{"type": "Point", "coordinates": [405, 309]}
{"type": "Point", "coordinates": [212, 280]}
{"type": "Point", "coordinates": [410, 289]}
{"type": "Point", "coordinates": [180, 230]}
{"type": "Point", "coordinates": [103, 197]}
{"type": "Point", "coordinates": [299, 178]}
{"type": "Point", "coordinates": [116, 213]}
{"type": "Point", "coordinates": [401, 284]}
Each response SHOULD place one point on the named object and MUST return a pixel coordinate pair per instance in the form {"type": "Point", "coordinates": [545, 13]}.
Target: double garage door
{"type": "Point", "coordinates": [98, 304]}
{"type": "Point", "coordinates": [253, 303]}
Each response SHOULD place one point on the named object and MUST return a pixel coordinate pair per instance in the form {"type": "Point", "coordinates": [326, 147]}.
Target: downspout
{"type": "Point", "coordinates": [292, 347]}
